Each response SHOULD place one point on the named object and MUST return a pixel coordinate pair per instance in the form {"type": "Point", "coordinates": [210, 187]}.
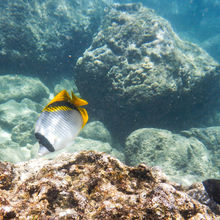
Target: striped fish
{"type": "Point", "coordinates": [60, 122]}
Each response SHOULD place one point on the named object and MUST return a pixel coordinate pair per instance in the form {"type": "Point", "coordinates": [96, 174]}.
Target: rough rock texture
{"type": "Point", "coordinates": [20, 87]}
{"type": "Point", "coordinates": [21, 99]}
{"type": "Point", "coordinates": [68, 84]}
{"type": "Point", "coordinates": [185, 160]}
{"type": "Point", "coordinates": [91, 185]}
{"type": "Point", "coordinates": [96, 130]}
{"type": "Point", "coordinates": [139, 73]}
{"type": "Point", "coordinates": [210, 137]}
{"type": "Point", "coordinates": [198, 192]}
{"type": "Point", "coordinates": [12, 152]}
{"type": "Point", "coordinates": [17, 121]}
{"type": "Point", "coordinates": [46, 37]}
{"type": "Point", "coordinates": [195, 21]}
{"type": "Point", "coordinates": [14, 113]}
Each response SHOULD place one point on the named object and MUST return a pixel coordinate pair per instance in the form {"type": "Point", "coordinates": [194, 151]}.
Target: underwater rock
{"type": "Point", "coordinates": [198, 191]}
{"type": "Point", "coordinates": [20, 87]}
{"type": "Point", "coordinates": [45, 38]}
{"type": "Point", "coordinates": [185, 160]}
{"type": "Point", "coordinates": [138, 72]}
{"type": "Point", "coordinates": [81, 144]}
{"type": "Point", "coordinates": [23, 133]}
{"type": "Point", "coordinates": [90, 185]}
{"type": "Point", "coordinates": [68, 85]}
{"type": "Point", "coordinates": [17, 129]}
{"type": "Point", "coordinates": [210, 137]}
{"type": "Point", "coordinates": [96, 130]}
{"type": "Point", "coordinates": [11, 151]}
{"type": "Point", "coordinates": [197, 22]}
{"type": "Point", "coordinates": [13, 113]}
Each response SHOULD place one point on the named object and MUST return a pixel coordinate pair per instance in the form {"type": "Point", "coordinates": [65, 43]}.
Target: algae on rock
{"type": "Point", "coordinates": [45, 38]}
{"type": "Point", "coordinates": [91, 185]}
{"type": "Point", "coordinates": [138, 72]}
{"type": "Point", "coordinates": [185, 160]}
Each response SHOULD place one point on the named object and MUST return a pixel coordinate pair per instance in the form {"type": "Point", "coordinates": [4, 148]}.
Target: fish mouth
{"type": "Point", "coordinates": [43, 141]}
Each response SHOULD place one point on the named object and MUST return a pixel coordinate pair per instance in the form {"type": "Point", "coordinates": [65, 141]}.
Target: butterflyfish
{"type": "Point", "coordinates": [60, 122]}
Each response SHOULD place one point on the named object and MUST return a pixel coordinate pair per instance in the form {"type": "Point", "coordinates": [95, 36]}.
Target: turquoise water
{"type": "Point", "coordinates": [151, 78]}
{"type": "Point", "coordinates": [196, 21]}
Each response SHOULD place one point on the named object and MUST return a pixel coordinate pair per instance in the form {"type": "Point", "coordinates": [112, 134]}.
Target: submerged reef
{"type": "Point", "coordinates": [18, 87]}
{"type": "Point", "coordinates": [45, 38]}
{"type": "Point", "coordinates": [21, 99]}
{"type": "Point", "coordinates": [196, 21]}
{"type": "Point", "coordinates": [177, 154]}
{"type": "Point", "coordinates": [210, 137]}
{"type": "Point", "coordinates": [139, 71]}
{"type": "Point", "coordinates": [90, 185]}
{"type": "Point", "coordinates": [184, 157]}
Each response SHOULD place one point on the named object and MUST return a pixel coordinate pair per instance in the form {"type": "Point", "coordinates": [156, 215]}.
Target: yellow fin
{"type": "Point", "coordinates": [61, 96]}
{"type": "Point", "coordinates": [78, 101]}
{"type": "Point", "coordinates": [84, 114]}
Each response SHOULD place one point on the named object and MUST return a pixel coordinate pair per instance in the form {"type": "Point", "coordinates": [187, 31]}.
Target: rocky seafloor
{"type": "Point", "coordinates": [188, 156]}
{"type": "Point", "coordinates": [91, 185]}
{"type": "Point", "coordinates": [46, 36]}
{"type": "Point", "coordinates": [153, 99]}
{"type": "Point", "coordinates": [145, 75]}
{"type": "Point", "coordinates": [141, 81]}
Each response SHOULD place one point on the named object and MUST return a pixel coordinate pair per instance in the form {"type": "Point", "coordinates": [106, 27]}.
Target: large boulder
{"type": "Point", "coordinates": [91, 185]}
{"type": "Point", "coordinates": [139, 73]}
{"type": "Point", "coordinates": [46, 37]}
{"type": "Point", "coordinates": [184, 159]}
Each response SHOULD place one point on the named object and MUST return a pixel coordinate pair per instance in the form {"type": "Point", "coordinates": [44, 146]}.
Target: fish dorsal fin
{"type": "Point", "coordinates": [78, 101]}
{"type": "Point", "coordinates": [84, 114]}
{"type": "Point", "coordinates": [61, 96]}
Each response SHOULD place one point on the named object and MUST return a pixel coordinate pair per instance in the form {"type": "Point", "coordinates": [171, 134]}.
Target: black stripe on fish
{"type": "Point", "coordinates": [43, 141]}
{"type": "Point", "coordinates": [62, 103]}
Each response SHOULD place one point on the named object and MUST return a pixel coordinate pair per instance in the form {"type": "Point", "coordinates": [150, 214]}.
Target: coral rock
{"type": "Point", "coordinates": [90, 185]}
{"type": "Point", "coordinates": [177, 155]}
{"type": "Point", "coordinates": [46, 36]}
{"type": "Point", "coordinates": [144, 74]}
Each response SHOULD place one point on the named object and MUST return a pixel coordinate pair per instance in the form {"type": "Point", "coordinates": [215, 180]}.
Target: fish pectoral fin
{"type": "Point", "coordinates": [78, 101]}
{"type": "Point", "coordinates": [84, 115]}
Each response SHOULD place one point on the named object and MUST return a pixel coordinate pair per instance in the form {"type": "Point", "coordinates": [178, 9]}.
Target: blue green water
{"type": "Point", "coordinates": [50, 45]}
{"type": "Point", "coordinates": [196, 21]}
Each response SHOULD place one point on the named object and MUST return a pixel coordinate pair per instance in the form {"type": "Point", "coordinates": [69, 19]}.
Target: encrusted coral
{"type": "Point", "coordinates": [143, 75]}
{"type": "Point", "coordinates": [90, 185]}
